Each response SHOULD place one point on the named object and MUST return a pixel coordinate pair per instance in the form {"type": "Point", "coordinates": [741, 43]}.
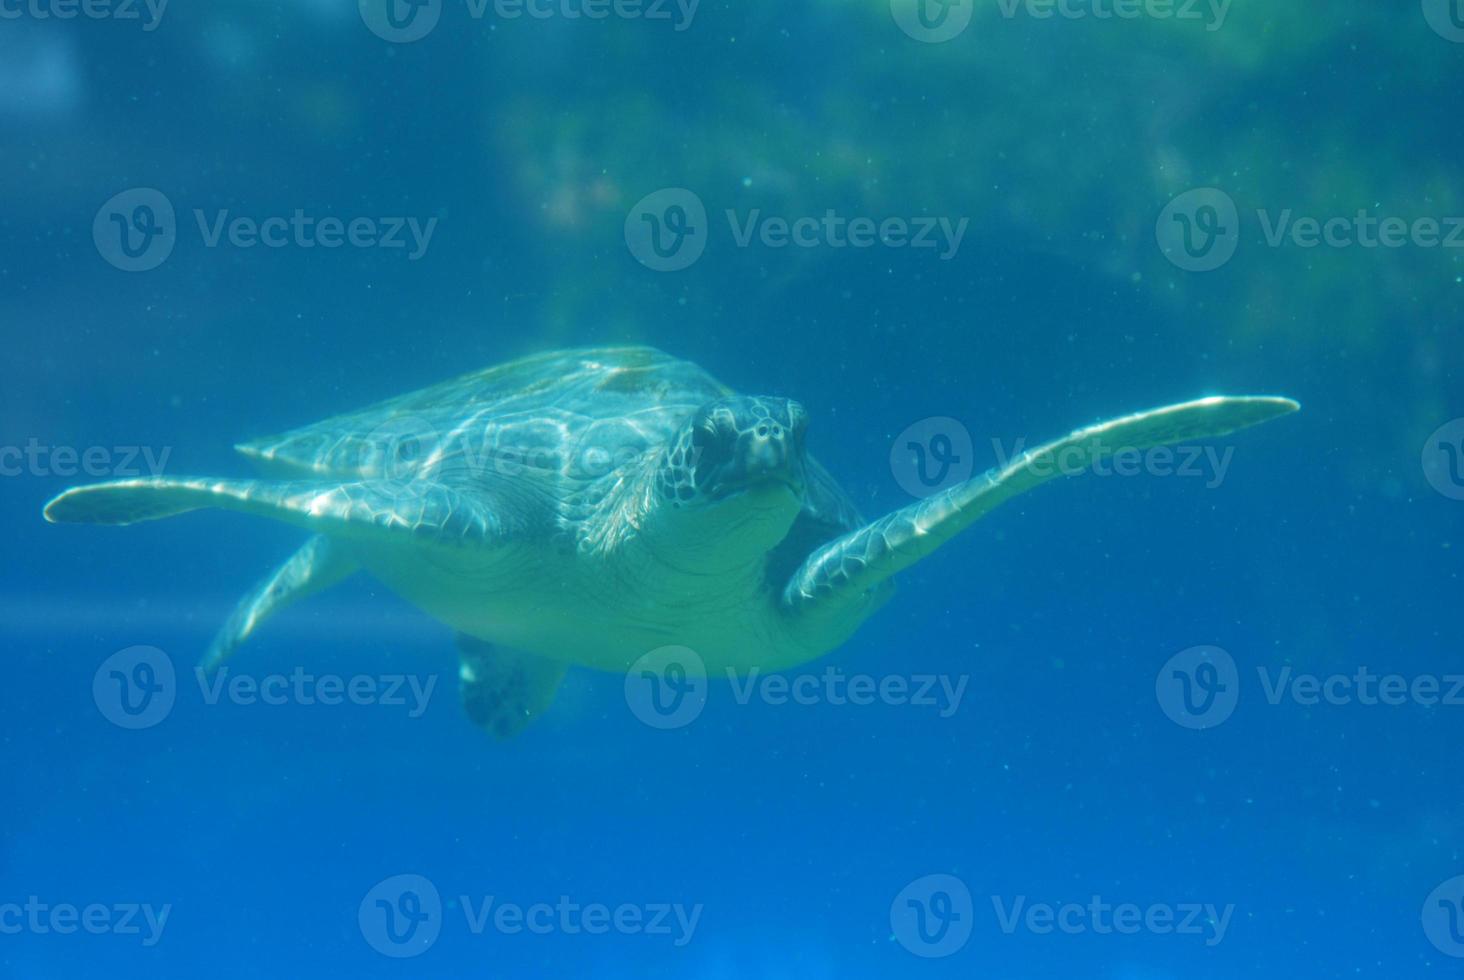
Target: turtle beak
{"type": "Point", "coordinates": [764, 456]}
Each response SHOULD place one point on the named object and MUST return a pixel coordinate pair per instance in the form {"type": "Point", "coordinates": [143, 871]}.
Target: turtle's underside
{"type": "Point", "coordinates": [590, 506]}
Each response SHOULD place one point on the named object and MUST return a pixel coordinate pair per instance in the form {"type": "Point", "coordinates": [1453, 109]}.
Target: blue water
{"type": "Point", "coordinates": [1315, 839]}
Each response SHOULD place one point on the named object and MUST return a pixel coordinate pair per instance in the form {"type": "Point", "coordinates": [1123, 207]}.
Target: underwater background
{"type": "Point", "coordinates": [1132, 182]}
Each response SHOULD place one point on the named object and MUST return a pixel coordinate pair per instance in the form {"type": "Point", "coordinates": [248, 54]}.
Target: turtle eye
{"type": "Point", "coordinates": [703, 441]}
{"type": "Point", "coordinates": [798, 423]}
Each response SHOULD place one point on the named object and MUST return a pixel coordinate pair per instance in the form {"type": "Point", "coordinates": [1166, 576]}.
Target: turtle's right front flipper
{"type": "Point", "coordinates": [378, 510]}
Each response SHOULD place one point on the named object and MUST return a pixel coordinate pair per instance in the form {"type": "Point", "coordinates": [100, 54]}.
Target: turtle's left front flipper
{"type": "Point", "coordinates": [319, 564]}
{"type": "Point", "coordinates": [844, 571]}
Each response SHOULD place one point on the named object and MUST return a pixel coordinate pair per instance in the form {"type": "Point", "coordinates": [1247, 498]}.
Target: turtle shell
{"type": "Point", "coordinates": [559, 428]}
{"type": "Point", "coordinates": [576, 413]}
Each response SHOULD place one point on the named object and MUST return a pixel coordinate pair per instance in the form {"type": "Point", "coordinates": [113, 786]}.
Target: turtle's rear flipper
{"type": "Point", "coordinates": [847, 570]}
{"type": "Point", "coordinates": [319, 564]}
{"type": "Point", "coordinates": [503, 690]}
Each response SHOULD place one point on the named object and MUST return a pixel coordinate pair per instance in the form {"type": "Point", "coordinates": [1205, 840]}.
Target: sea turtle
{"type": "Point", "coordinates": [589, 506]}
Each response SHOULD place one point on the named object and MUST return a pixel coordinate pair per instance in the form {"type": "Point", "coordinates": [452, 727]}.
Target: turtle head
{"type": "Point", "coordinates": [731, 482]}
